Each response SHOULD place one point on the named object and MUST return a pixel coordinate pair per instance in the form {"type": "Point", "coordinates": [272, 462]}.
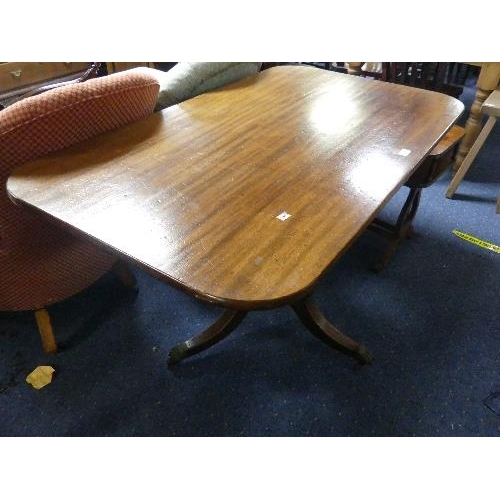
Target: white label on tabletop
{"type": "Point", "coordinates": [283, 216]}
{"type": "Point", "coordinates": [404, 152]}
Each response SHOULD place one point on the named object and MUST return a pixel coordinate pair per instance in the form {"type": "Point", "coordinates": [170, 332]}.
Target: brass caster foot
{"type": "Point", "coordinates": [364, 356]}
{"type": "Point", "coordinates": [177, 354]}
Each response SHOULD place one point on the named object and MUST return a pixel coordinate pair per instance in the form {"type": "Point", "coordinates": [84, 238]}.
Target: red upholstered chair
{"type": "Point", "coordinates": [40, 263]}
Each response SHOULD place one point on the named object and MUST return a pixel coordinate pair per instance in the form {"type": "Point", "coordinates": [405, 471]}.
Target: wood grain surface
{"type": "Point", "coordinates": [193, 193]}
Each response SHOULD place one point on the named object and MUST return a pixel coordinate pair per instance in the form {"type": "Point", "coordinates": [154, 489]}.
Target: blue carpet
{"type": "Point", "coordinates": [431, 319]}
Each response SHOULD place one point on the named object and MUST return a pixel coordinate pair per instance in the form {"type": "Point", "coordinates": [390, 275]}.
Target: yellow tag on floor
{"type": "Point", "coordinates": [40, 376]}
{"type": "Point", "coordinates": [477, 241]}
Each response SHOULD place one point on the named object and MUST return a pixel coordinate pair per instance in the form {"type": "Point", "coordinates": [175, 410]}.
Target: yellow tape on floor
{"type": "Point", "coordinates": [477, 241]}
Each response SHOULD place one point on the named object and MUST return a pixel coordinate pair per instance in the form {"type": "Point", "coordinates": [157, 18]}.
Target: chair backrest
{"type": "Point", "coordinates": [442, 77]}
{"type": "Point", "coordinates": [446, 77]}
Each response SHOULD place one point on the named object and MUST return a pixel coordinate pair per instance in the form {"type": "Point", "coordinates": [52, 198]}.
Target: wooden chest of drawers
{"type": "Point", "coordinates": [20, 76]}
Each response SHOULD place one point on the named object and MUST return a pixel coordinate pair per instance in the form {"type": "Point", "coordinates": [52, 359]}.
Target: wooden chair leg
{"type": "Point", "coordinates": [125, 275]}
{"type": "Point", "coordinates": [471, 156]}
{"type": "Point", "coordinates": [46, 332]}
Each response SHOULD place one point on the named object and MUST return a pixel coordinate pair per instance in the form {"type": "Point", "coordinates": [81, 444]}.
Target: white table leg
{"type": "Point", "coordinates": [474, 150]}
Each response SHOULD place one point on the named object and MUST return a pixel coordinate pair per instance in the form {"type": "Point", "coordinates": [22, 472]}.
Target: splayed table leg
{"type": "Point", "coordinates": [310, 315]}
{"type": "Point", "coordinates": [229, 320]}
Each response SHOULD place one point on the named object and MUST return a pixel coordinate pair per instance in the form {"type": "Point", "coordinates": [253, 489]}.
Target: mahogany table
{"type": "Point", "coordinates": [246, 195]}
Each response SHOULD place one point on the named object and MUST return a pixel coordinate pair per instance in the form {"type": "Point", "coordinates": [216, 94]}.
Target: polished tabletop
{"type": "Point", "coordinates": [244, 196]}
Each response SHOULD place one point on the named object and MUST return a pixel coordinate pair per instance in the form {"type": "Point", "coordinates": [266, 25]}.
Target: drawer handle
{"type": "Point", "coordinates": [17, 73]}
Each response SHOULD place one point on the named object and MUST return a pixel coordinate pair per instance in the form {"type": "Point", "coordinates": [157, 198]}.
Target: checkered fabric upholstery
{"type": "Point", "coordinates": [40, 263]}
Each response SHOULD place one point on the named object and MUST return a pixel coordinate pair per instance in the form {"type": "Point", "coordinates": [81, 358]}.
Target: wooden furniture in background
{"type": "Point", "coordinates": [488, 80]}
{"type": "Point", "coordinates": [15, 75]}
{"type": "Point", "coordinates": [114, 67]}
{"type": "Point", "coordinates": [288, 167]}
{"type": "Point", "coordinates": [20, 77]}
{"type": "Point", "coordinates": [437, 76]}
{"type": "Point", "coordinates": [91, 72]}
{"type": "Point", "coordinates": [490, 107]}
